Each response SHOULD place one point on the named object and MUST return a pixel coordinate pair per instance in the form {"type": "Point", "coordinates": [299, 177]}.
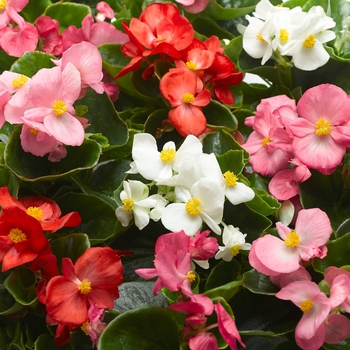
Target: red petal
{"type": "Point", "coordinates": [69, 220]}
{"type": "Point", "coordinates": [6, 200]}
{"type": "Point", "coordinates": [224, 94]}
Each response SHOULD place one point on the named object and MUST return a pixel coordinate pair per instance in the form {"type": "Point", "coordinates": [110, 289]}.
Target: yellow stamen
{"type": "Point", "coordinates": [21, 79]}
{"type": "Point", "coordinates": [259, 37]}
{"type": "Point", "coordinates": [284, 35]}
{"type": "Point", "coordinates": [2, 4]}
{"type": "Point", "coordinates": [188, 97]}
{"type": "Point", "coordinates": [230, 178]}
{"type": "Point", "coordinates": [33, 131]}
{"type": "Point", "coordinates": [167, 155]}
{"type": "Point", "coordinates": [84, 287]}
{"type": "Point", "coordinates": [193, 206]}
{"type": "Point", "coordinates": [128, 204]}
{"type": "Point", "coordinates": [292, 240]}
{"type": "Point", "coordinates": [17, 235]}
{"type": "Point", "coordinates": [59, 107]}
{"type": "Point", "coordinates": [323, 127]}
{"type": "Point", "coordinates": [235, 249]}
{"type": "Point", "coordinates": [191, 276]}
{"type": "Point", "coordinates": [191, 65]}
{"type": "Point", "coordinates": [265, 141]}
{"type": "Point", "coordinates": [35, 212]}
{"type": "Point", "coordinates": [310, 41]}
{"type": "Point", "coordinates": [84, 327]}
{"type": "Point", "coordinates": [306, 305]}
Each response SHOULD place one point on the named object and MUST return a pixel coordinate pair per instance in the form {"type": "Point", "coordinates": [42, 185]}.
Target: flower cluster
{"type": "Point", "coordinates": [314, 134]}
{"type": "Point", "coordinates": [201, 70]}
{"type": "Point", "coordinates": [289, 32]}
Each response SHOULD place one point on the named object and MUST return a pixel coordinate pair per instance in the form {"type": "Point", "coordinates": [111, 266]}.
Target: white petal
{"type": "Point", "coordinates": [141, 217]}
{"type": "Point", "coordinates": [124, 216]}
{"type": "Point", "coordinates": [239, 194]}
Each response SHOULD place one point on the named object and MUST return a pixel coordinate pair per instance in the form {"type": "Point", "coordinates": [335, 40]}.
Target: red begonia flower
{"type": "Point", "coordinates": [94, 278]}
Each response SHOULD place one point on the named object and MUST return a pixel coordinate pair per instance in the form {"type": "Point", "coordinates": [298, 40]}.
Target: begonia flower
{"type": "Point", "coordinates": [234, 241]}
{"type": "Point", "coordinates": [9, 12]}
{"type": "Point", "coordinates": [321, 134]}
{"type": "Point", "coordinates": [49, 33]}
{"type": "Point", "coordinates": [43, 209]}
{"type": "Point", "coordinates": [180, 88]}
{"type": "Point", "coordinates": [203, 202]}
{"type": "Point", "coordinates": [52, 94]}
{"type": "Point", "coordinates": [93, 279]}
{"type": "Point", "coordinates": [104, 11]}
{"type": "Point", "coordinates": [22, 238]}
{"type": "Point", "coordinates": [95, 326]}
{"type": "Point", "coordinates": [18, 87]}
{"type": "Point", "coordinates": [271, 255]}
{"type": "Point", "coordinates": [193, 6]}
{"type": "Point", "coordinates": [157, 166]}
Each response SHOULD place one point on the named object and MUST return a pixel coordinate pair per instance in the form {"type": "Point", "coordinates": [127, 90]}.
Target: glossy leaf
{"type": "Point", "coordinates": [112, 58]}
{"type": "Point", "coordinates": [263, 203]}
{"type": "Point", "coordinates": [45, 342]}
{"type": "Point", "coordinates": [31, 168]}
{"type": "Point", "coordinates": [144, 328]}
{"type": "Point", "coordinates": [258, 283]}
{"type": "Point", "coordinates": [218, 114]}
{"type": "Point", "coordinates": [232, 160]}
{"type": "Point", "coordinates": [34, 9]}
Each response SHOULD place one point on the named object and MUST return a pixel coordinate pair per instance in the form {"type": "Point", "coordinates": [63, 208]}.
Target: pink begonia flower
{"type": "Point", "coordinates": [193, 6]}
{"type": "Point", "coordinates": [17, 85]}
{"type": "Point", "coordinates": [9, 12]}
{"type": "Point", "coordinates": [96, 326]}
{"type": "Point", "coordinates": [58, 153]}
{"type": "Point", "coordinates": [95, 33]}
{"type": "Point", "coordinates": [322, 135]}
{"type": "Point", "coordinates": [310, 332]}
{"type": "Point", "coordinates": [284, 184]}
{"type": "Point", "coordinates": [283, 279]}
{"type": "Point", "coordinates": [48, 30]}
{"type": "Point", "coordinates": [337, 328]}
{"type": "Point", "coordinates": [203, 341]}
{"type": "Point", "coordinates": [87, 59]}
{"type": "Point", "coordinates": [227, 327]}
{"type": "Point", "coordinates": [271, 255]}
{"type": "Point", "coordinates": [4, 98]}
{"type": "Point", "coordinates": [104, 11]}
{"type": "Point", "coordinates": [269, 145]}
{"type": "Point", "coordinates": [52, 94]}
{"type": "Point", "coordinates": [16, 41]}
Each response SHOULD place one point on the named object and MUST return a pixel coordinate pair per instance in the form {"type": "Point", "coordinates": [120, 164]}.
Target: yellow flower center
{"type": "Point", "coordinates": [193, 206]}
{"type": "Point", "coordinates": [188, 97]}
{"type": "Point", "coordinates": [230, 178]}
{"type": "Point", "coordinates": [284, 35]}
{"type": "Point", "coordinates": [191, 276]}
{"type": "Point", "coordinates": [21, 79]}
{"type": "Point", "coordinates": [59, 107]}
{"type": "Point", "coordinates": [2, 4]}
{"type": "Point", "coordinates": [259, 37]}
{"type": "Point", "coordinates": [167, 155]}
{"type": "Point", "coordinates": [17, 235]}
{"type": "Point", "coordinates": [84, 327]}
{"type": "Point", "coordinates": [191, 65]}
{"type": "Point", "coordinates": [235, 249]}
{"type": "Point", "coordinates": [128, 204]}
{"type": "Point", "coordinates": [33, 131]}
{"type": "Point", "coordinates": [310, 41]}
{"type": "Point", "coordinates": [84, 287]}
{"type": "Point", "coordinates": [35, 212]}
{"type": "Point", "coordinates": [292, 240]}
{"type": "Point", "coordinates": [323, 127]}
{"type": "Point", "coordinates": [265, 141]}
{"type": "Point", "coordinates": [306, 305]}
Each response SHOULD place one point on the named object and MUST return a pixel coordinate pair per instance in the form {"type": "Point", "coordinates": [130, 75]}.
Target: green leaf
{"type": "Point", "coordinates": [31, 62]}
{"type": "Point", "coordinates": [6, 61]}
{"type": "Point", "coordinates": [218, 114]}
{"type": "Point", "coordinates": [22, 285]}
{"type": "Point", "coordinates": [34, 9]}
{"type": "Point", "coordinates": [337, 255]}
{"type": "Point", "coordinates": [113, 59]}
{"type": "Point", "coordinates": [45, 342]}
{"type": "Point", "coordinates": [32, 168]}
{"type": "Point", "coordinates": [263, 203]}
{"type": "Point", "coordinates": [68, 14]}
{"type": "Point", "coordinates": [98, 217]}
{"type": "Point", "coordinates": [71, 246]}
{"type": "Point", "coordinates": [206, 26]}
{"type": "Point", "coordinates": [258, 283]}
{"type": "Point", "coordinates": [8, 305]}
{"type": "Point", "coordinates": [144, 328]}
{"type": "Point", "coordinates": [232, 160]}
{"type": "Point", "coordinates": [148, 88]}
{"type": "Point", "coordinates": [104, 118]}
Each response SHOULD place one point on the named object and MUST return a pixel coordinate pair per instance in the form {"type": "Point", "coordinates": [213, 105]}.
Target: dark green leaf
{"type": "Point", "coordinates": [218, 114]}
{"type": "Point", "coordinates": [258, 283]}
{"type": "Point", "coordinates": [34, 9]}
{"type": "Point", "coordinates": [45, 342]}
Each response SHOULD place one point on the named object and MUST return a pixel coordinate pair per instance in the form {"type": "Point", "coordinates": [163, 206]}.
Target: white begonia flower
{"type": "Point", "coordinates": [306, 42]}
{"type": "Point", "coordinates": [264, 10]}
{"type": "Point", "coordinates": [285, 214]}
{"type": "Point", "coordinates": [203, 202]}
{"type": "Point", "coordinates": [137, 204]}
{"type": "Point", "coordinates": [158, 166]}
{"type": "Point", "coordinates": [234, 241]}
{"type": "Point", "coordinates": [156, 212]}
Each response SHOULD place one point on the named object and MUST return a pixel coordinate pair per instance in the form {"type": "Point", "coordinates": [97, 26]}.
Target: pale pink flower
{"type": "Point", "coordinates": [284, 279]}
{"type": "Point", "coordinates": [17, 85]}
{"type": "Point", "coordinates": [16, 41]}
{"type": "Point", "coordinates": [322, 135]}
{"type": "Point", "coordinates": [4, 98]}
{"type": "Point", "coordinates": [52, 95]}
{"type": "Point", "coordinates": [271, 255]}
{"type": "Point", "coordinates": [193, 6]}
{"type": "Point", "coordinates": [87, 59]}
{"type": "Point", "coordinates": [9, 12]}
{"type": "Point", "coordinates": [104, 11]}
{"type": "Point", "coordinates": [96, 326]}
